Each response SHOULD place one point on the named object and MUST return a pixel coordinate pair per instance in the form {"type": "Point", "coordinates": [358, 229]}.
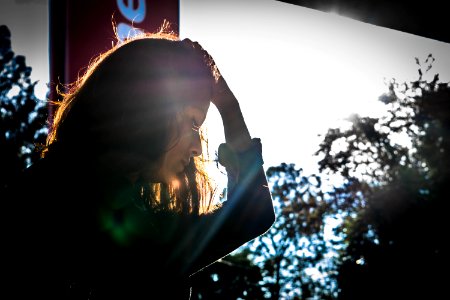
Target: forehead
{"type": "Point", "coordinates": [189, 91]}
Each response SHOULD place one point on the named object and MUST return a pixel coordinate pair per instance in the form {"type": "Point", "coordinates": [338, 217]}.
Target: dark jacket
{"type": "Point", "coordinates": [66, 236]}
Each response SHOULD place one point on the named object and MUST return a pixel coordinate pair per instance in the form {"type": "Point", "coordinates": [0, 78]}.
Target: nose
{"type": "Point", "coordinates": [196, 145]}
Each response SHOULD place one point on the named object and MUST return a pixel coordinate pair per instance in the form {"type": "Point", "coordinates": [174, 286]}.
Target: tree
{"type": "Point", "coordinates": [295, 256]}
{"type": "Point", "coordinates": [293, 260]}
{"type": "Point", "coordinates": [22, 116]}
{"type": "Point", "coordinates": [392, 205]}
{"type": "Point", "coordinates": [398, 164]}
{"type": "Point", "coordinates": [233, 277]}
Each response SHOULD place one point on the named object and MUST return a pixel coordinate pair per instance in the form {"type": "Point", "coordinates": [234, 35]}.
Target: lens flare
{"type": "Point", "coordinates": [176, 184]}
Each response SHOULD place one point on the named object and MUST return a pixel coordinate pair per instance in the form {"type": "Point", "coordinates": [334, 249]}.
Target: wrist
{"type": "Point", "coordinates": [250, 156]}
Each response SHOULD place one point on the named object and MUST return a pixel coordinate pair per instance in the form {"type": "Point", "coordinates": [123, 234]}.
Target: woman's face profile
{"type": "Point", "coordinates": [185, 142]}
{"type": "Point", "coordinates": [194, 95]}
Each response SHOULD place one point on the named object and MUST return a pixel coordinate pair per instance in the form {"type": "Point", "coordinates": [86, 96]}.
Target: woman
{"type": "Point", "coordinates": [119, 207]}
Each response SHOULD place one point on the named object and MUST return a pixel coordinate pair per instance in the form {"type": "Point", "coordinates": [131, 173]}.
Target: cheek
{"type": "Point", "coordinates": [172, 157]}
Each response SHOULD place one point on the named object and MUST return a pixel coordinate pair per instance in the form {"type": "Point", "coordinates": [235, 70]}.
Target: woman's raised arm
{"type": "Point", "coordinates": [248, 211]}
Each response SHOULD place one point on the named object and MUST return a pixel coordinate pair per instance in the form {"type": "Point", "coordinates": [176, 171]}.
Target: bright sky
{"type": "Point", "coordinates": [28, 22]}
{"type": "Point", "coordinates": [295, 71]}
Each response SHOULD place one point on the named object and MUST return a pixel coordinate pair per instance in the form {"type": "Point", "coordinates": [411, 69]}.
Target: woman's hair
{"type": "Point", "coordinates": [126, 102]}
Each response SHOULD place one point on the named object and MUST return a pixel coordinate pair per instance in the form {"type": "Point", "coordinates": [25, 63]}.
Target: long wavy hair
{"type": "Point", "coordinates": [126, 101]}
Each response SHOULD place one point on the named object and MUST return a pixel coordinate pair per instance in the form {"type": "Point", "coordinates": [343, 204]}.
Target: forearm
{"type": "Point", "coordinates": [248, 192]}
{"type": "Point", "coordinates": [245, 163]}
{"type": "Point", "coordinates": [236, 132]}
{"type": "Point", "coordinates": [251, 200]}
{"type": "Point", "coordinates": [247, 213]}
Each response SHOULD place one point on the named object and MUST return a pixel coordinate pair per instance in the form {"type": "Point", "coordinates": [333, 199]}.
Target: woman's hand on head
{"type": "Point", "coordinates": [236, 131]}
{"type": "Point", "coordinates": [222, 97]}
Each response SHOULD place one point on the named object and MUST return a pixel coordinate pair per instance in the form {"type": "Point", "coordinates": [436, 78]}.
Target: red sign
{"type": "Point", "coordinates": [81, 29]}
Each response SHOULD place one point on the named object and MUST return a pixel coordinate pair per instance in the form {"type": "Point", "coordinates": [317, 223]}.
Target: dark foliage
{"type": "Point", "coordinates": [233, 277]}
{"type": "Point", "coordinates": [22, 116]}
{"type": "Point", "coordinates": [399, 164]}
{"type": "Point", "coordinates": [295, 256]}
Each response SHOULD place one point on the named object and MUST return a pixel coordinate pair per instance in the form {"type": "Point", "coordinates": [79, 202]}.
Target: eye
{"type": "Point", "coordinates": [195, 126]}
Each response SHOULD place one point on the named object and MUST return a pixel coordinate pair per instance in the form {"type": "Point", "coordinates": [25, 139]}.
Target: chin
{"type": "Point", "coordinates": [171, 178]}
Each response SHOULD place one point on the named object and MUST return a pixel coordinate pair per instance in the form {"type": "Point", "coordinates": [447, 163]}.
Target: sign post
{"type": "Point", "coordinates": [82, 29]}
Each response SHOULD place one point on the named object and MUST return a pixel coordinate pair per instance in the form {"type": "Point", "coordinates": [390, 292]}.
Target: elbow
{"type": "Point", "coordinates": [264, 223]}
{"type": "Point", "coordinates": [269, 220]}
{"type": "Point", "coordinates": [272, 219]}
{"type": "Point", "coordinates": [268, 214]}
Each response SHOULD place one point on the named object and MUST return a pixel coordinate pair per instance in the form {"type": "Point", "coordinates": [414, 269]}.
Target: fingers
{"type": "Point", "coordinates": [207, 57]}
{"type": "Point", "coordinates": [194, 45]}
{"type": "Point", "coordinates": [221, 95]}
{"type": "Point", "coordinates": [219, 84]}
{"type": "Point", "coordinates": [187, 40]}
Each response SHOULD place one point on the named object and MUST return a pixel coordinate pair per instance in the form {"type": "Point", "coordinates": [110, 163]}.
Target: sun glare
{"type": "Point", "coordinates": [175, 184]}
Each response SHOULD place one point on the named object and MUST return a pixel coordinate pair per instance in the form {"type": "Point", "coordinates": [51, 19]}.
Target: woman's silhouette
{"type": "Point", "coordinates": [119, 206]}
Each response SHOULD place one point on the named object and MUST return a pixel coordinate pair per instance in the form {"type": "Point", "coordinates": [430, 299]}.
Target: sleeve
{"type": "Point", "coordinates": [246, 214]}
{"type": "Point", "coordinates": [240, 166]}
